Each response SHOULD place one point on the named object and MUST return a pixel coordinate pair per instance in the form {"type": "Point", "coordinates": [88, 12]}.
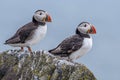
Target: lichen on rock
{"type": "Point", "coordinates": [40, 65]}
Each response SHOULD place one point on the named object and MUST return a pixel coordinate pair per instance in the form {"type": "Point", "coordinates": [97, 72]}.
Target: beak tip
{"type": "Point", "coordinates": [48, 19]}
{"type": "Point", "coordinates": [94, 30]}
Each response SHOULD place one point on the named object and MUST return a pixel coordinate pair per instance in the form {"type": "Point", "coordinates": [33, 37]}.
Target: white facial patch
{"type": "Point", "coordinates": [39, 16]}
{"type": "Point", "coordinates": [83, 28]}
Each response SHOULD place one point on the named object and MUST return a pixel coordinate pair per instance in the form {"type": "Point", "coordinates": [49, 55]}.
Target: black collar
{"type": "Point", "coordinates": [37, 23]}
{"type": "Point", "coordinates": [82, 35]}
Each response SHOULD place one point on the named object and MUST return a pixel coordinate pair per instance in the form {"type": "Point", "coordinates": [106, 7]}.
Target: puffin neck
{"type": "Point", "coordinates": [82, 34]}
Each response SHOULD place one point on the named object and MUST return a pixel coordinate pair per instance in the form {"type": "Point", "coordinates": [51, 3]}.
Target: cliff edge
{"type": "Point", "coordinates": [40, 65]}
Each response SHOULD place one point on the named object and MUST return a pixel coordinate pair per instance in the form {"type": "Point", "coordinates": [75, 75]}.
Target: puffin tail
{"type": "Point", "coordinates": [51, 51]}
{"type": "Point", "coordinates": [55, 51]}
{"type": "Point", "coordinates": [6, 42]}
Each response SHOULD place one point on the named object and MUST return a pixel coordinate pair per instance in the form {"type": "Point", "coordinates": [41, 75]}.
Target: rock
{"type": "Point", "coordinates": [40, 65]}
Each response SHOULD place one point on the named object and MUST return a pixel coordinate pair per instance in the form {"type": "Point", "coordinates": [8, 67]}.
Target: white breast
{"type": "Point", "coordinates": [39, 34]}
{"type": "Point", "coordinates": [87, 45]}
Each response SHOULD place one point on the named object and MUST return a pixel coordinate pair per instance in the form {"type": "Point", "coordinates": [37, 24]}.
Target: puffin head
{"type": "Point", "coordinates": [41, 16]}
{"type": "Point", "coordinates": [85, 28]}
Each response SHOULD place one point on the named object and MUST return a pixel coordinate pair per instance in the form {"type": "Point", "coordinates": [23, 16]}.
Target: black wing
{"type": "Point", "coordinates": [22, 34]}
{"type": "Point", "coordinates": [68, 46]}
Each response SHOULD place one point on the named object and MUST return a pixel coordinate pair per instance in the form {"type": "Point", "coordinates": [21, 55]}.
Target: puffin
{"type": "Point", "coordinates": [32, 32]}
{"type": "Point", "coordinates": [76, 45]}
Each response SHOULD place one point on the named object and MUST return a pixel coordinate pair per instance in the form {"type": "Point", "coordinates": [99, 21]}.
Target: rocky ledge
{"type": "Point", "coordinates": [40, 65]}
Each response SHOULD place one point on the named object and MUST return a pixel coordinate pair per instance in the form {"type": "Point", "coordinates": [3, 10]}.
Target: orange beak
{"type": "Point", "coordinates": [48, 18]}
{"type": "Point", "coordinates": [92, 30]}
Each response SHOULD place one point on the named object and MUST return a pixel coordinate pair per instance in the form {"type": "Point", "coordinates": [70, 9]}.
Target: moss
{"type": "Point", "coordinates": [1, 60]}
{"type": "Point", "coordinates": [49, 77]}
{"type": "Point", "coordinates": [15, 68]}
{"type": "Point", "coordinates": [35, 72]}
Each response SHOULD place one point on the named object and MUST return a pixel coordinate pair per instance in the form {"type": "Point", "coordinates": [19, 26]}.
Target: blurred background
{"type": "Point", "coordinates": [103, 60]}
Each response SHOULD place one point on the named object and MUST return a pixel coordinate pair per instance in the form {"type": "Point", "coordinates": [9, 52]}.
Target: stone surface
{"type": "Point", "coordinates": [40, 65]}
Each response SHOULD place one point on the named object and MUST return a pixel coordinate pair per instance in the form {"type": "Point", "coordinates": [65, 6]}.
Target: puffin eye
{"type": "Point", "coordinates": [40, 13]}
{"type": "Point", "coordinates": [85, 25]}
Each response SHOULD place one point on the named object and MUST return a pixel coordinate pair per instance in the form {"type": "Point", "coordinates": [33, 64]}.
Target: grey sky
{"type": "Point", "coordinates": [103, 59]}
